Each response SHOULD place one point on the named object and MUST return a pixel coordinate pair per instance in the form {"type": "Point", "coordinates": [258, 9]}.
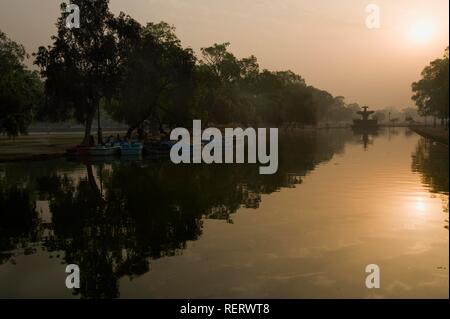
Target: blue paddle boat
{"type": "Point", "coordinates": [133, 148]}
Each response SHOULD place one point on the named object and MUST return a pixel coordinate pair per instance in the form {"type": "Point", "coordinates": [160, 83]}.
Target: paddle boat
{"type": "Point", "coordinates": [133, 148]}
{"type": "Point", "coordinates": [109, 149]}
{"type": "Point", "coordinates": [158, 148]}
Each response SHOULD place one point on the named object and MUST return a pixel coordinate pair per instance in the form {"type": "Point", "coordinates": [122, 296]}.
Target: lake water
{"type": "Point", "coordinates": [151, 229]}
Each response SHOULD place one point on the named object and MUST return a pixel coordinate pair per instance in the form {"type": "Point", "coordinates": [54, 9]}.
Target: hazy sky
{"type": "Point", "coordinates": [325, 41]}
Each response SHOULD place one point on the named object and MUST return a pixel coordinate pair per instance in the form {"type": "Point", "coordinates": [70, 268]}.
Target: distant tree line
{"type": "Point", "coordinates": [431, 91]}
{"type": "Point", "coordinates": [395, 115]}
{"type": "Point", "coordinates": [142, 74]}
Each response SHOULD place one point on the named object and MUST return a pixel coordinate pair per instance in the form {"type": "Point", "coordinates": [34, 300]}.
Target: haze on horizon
{"type": "Point", "coordinates": [326, 42]}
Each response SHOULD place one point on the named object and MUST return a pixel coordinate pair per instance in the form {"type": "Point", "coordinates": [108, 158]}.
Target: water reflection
{"type": "Point", "coordinates": [20, 224]}
{"type": "Point", "coordinates": [115, 219]}
{"type": "Point", "coordinates": [431, 160]}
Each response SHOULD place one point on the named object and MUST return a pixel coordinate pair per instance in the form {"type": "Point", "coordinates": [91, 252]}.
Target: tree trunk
{"type": "Point", "coordinates": [130, 131]}
{"type": "Point", "coordinates": [140, 131]}
{"type": "Point", "coordinates": [87, 129]}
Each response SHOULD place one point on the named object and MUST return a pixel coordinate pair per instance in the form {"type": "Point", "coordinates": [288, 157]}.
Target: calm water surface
{"type": "Point", "coordinates": [150, 229]}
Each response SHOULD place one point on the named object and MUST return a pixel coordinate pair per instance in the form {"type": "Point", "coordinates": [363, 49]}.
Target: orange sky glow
{"type": "Point", "coordinates": [326, 42]}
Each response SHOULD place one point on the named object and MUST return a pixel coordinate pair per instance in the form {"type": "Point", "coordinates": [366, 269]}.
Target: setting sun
{"type": "Point", "coordinates": [421, 31]}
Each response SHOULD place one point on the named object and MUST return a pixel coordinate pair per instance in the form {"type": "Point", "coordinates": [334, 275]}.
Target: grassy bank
{"type": "Point", "coordinates": [438, 134]}
{"type": "Point", "coordinates": [38, 145]}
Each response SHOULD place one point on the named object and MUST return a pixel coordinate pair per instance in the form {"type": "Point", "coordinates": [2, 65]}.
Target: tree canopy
{"type": "Point", "coordinates": [20, 89]}
{"type": "Point", "coordinates": [83, 65]}
{"type": "Point", "coordinates": [142, 74]}
{"type": "Point", "coordinates": [157, 83]}
{"type": "Point", "coordinates": [431, 91]}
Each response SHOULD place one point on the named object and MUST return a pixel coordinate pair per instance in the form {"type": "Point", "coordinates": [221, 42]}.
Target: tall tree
{"type": "Point", "coordinates": [158, 82]}
{"type": "Point", "coordinates": [226, 85]}
{"type": "Point", "coordinates": [82, 66]}
{"type": "Point", "coordinates": [431, 91]}
{"type": "Point", "coordinates": [20, 89]}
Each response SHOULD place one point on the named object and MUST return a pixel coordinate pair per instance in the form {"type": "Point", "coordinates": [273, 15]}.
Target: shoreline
{"type": "Point", "coordinates": [437, 134]}
{"type": "Point", "coordinates": [38, 146]}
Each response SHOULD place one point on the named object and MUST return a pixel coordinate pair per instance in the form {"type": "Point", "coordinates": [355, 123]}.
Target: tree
{"type": "Point", "coordinates": [83, 65]}
{"type": "Point", "coordinates": [283, 98]}
{"type": "Point", "coordinates": [158, 80]}
{"type": "Point", "coordinates": [235, 91]}
{"type": "Point", "coordinates": [219, 73]}
{"type": "Point", "coordinates": [431, 92]}
{"type": "Point", "coordinates": [20, 89]}
{"type": "Point", "coordinates": [380, 116]}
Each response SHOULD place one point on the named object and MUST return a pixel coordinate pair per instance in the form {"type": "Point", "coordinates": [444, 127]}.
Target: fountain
{"type": "Point", "coordinates": [365, 124]}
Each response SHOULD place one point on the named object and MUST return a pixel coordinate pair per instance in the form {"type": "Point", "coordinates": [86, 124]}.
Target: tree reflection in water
{"type": "Point", "coordinates": [117, 218]}
{"type": "Point", "coordinates": [431, 160]}
{"type": "Point", "coordinates": [19, 226]}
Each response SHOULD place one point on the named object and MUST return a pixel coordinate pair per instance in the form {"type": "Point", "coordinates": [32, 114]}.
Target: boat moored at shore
{"type": "Point", "coordinates": [104, 150]}
{"type": "Point", "coordinates": [131, 149]}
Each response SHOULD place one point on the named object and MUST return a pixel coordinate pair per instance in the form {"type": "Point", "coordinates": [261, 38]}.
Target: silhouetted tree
{"type": "Point", "coordinates": [431, 92]}
{"type": "Point", "coordinates": [158, 84]}
{"type": "Point", "coordinates": [21, 90]}
{"type": "Point", "coordinates": [82, 66]}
